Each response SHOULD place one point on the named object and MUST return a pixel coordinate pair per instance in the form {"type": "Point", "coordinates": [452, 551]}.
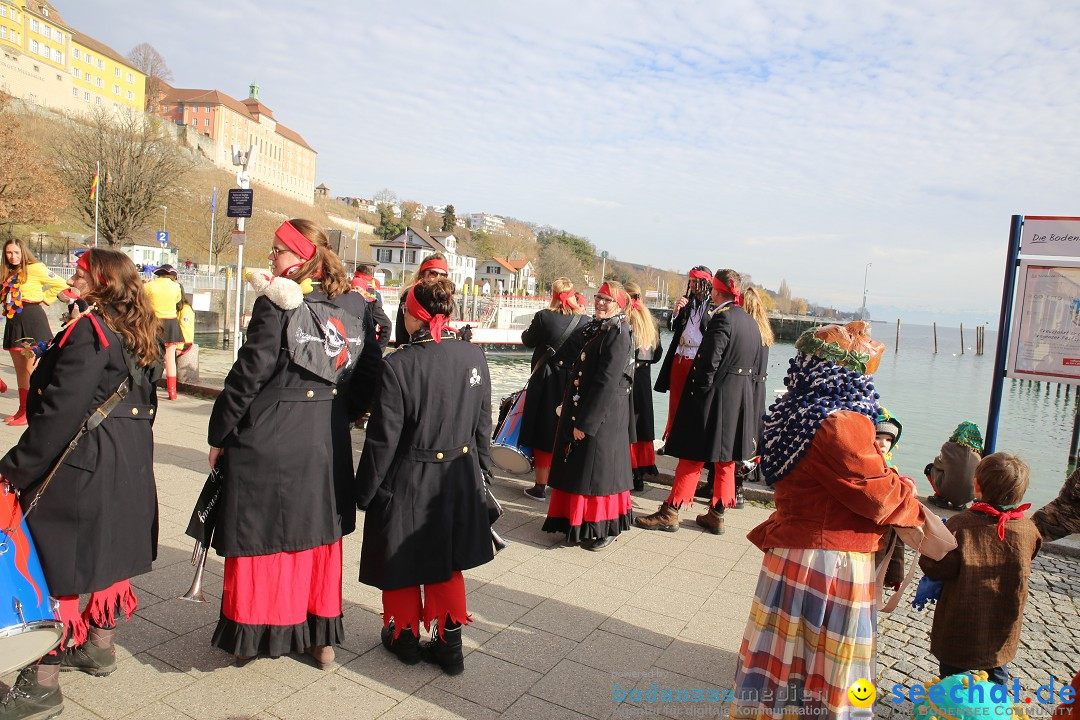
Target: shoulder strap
{"type": "Point", "coordinates": [894, 600]}
{"type": "Point", "coordinates": [570, 327]}
{"type": "Point", "coordinates": [96, 418]}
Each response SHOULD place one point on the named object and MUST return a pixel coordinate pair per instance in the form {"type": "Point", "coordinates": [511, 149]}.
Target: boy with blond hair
{"type": "Point", "coordinates": [989, 568]}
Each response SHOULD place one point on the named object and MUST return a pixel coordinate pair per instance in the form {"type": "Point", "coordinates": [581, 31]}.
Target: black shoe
{"type": "Point", "coordinates": [406, 646]}
{"type": "Point", "coordinates": [739, 499]}
{"type": "Point", "coordinates": [639, 481]}
{"type": "Point", "coordinates": [939, 502]}
{"type": "Point", "coordinates": [28, 699]}
{"type": "Point", "coordinates": [90, 659]}
{"type": "Point", "coordinates": [445, 651]}
{"type": "Point", "coordinates": [599, 543]}
{"type": "Point", "coordinates": [537, 492]}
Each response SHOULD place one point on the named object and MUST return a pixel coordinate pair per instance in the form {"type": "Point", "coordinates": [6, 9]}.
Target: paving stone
{"type": "Point", "coordinates": [529, 707]}
{"type": "Point", "coordinates": [228, 693]}
{"type": "Point", "coordinates": [432, 703]}
{"type": "Point", "coordinates": [137, 682]}
{"type": "Point", "coordinates": [579, 688]}
{"type": "Point", "coordinates": [332, 696]}
{"type": "Point", "coordinates": [528, 647]}
{"type": "Point", "coordinates": [489, 681]}
{"type": "Point", "coordinates": [613, 653]}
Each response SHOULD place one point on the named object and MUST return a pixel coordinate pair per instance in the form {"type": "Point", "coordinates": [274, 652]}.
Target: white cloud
{"type": "Point", "coordinates": [900, 133]}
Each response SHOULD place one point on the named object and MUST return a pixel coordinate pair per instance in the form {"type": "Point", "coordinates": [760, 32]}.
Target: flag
{"type": "Point", "coordinates": [94, 185]}
{"type": "Point", "coordinates": [213, 202]}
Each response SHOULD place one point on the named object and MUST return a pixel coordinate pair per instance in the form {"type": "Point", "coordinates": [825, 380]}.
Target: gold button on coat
{"type": "Point", "coordinates": [134, 411]}
{"type": "Point", "coordinates": [311, 393]}
{"type": "Point", "coordinates": [438, 456]}
{"type": "Point", "coordinates": [334, 392]}
{"type": "Point", "coordinates": [465, 450]}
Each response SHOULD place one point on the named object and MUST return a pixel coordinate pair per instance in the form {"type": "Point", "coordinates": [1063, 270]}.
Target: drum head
{"type": "Point", "coordinates": [23, 644]}
{"type": "Point", "coordinates": [511, 459]}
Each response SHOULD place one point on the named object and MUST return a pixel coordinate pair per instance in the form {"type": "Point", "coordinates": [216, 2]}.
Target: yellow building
{"type": "Point", "coordinates": [45, 62]}
{"type": "Point", "coordinates": [103, 77]}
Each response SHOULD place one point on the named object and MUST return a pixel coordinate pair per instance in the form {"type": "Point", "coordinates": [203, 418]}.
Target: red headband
{"type": "Point", "coordinates": [635, 304]}
{"type": "Point", "coordinates": [84, 263]}
{"type": "Point", "coordinates": [720, 287]}
{"type": "Point", "coordinates": [700, 275]}
{"type": "Point", "coordinates": [620, 298]}
{"type": "Point", "coordinates": [436, 322]}
{"type": "Point", "coordinates": [434, 262]}
{"type": "Point", "coordinates": [295, 240]}
{"type": "Point", "coordinates": [360, 281]}
{"type": "Point", "coordinates": [565, 299]}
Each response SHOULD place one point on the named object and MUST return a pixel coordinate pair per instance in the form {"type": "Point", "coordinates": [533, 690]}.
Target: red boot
{"type": "Point", "coordinates": [3, 386]}
{"type": "Point", "coordinates": [19, 418]}
{"type": "Point", "coordinates": [170, 381]}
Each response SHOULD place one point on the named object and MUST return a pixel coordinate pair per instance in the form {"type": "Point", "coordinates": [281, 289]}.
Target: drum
{"type": "Point", "coordinates": [505, 450]}
{"type": "Point", "coordinates": [29, 619]}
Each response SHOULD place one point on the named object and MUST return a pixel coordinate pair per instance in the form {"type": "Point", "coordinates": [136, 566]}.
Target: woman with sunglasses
{"type": "Point", "coordinates": [590, 471]}
{"type": "Point", "coordinates": [95, 522]}
{"type": "Point", "coordinates": [433, 267]}
{"type": "Point", "coordinates": [280, 429]}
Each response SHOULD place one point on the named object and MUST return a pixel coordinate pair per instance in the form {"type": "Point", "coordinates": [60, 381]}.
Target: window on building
{"type": "Point", "coordinates": [3, 11]}
{"type": "Point", "coordinates": [97, 100]}
{"type": "Point", "coordinates": [116, 89]}
{"type": "Point", "coordinates": [99, 82]}
{"type": "Point", "coordinates": [131, 77]}
{"type": "Point", "coordinates": [35, 26]}
{"type": "Point", "coordinates": [76, 53]}
{"type": "Point", "coordinates": [207, 108]}
{"type": "Point", "coordinates": [58, 57]}
{"type": "Point", "coordinates": [75, 93]}
{"type": "Point", "coordinates": [206, 122]}
{"type": "Point", "coordinates": [131, 96]}
{"type": "Point", "coordinates": [34, 46]}
{"type": "Point", "coordinates": [383, 255]}
{"type": "Point", "coordinates": [86, 96]}
{"type": "Point", "coordinates": [3, 31]}
{"type": "Point", "coordinates": [410, 257]}
{"type": "Point", "coordinates": [100, 64]}
{"type": "Point", "coordinates": [116, 72]}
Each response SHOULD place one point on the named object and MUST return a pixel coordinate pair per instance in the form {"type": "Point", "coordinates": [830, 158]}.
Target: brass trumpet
{"type": "Point", "coordinates": [198, 559]}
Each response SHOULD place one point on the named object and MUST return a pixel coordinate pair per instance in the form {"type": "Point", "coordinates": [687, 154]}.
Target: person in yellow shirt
{"type": "Point", "coordinates": [186, 316]}
{"type": "Point", "coordinates": [27, 285]}
{"type": "Point", "coordinates": [165, 294]}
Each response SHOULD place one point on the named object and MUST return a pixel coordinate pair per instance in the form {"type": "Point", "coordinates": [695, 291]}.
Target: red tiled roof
{"type": "Point", "coordinates": [514, 265]}
{"type": "Point", "coordinates": [505, 263]}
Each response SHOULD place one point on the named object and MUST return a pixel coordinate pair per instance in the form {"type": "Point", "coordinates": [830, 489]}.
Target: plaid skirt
{"type": "Point", "coordinates": [810, 634]}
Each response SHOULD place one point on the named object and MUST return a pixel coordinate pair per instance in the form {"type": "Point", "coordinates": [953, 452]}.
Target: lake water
{"type": "Point", "coordinates": [930, 394]}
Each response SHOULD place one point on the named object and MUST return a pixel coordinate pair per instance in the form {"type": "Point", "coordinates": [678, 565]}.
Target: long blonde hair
{"type": "Point", "coordinates": [324, 265]}
{"type": "Point", "coordinates": [642, 324]}
{"type": "Point", "coordinates": [559, 286]}
{"type": "Point", "coordinates": [755, 308]}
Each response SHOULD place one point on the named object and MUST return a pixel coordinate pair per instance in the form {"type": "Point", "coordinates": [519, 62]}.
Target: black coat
{"type": "Point", "coordinates": [715, 419]}
{"type": "Point", "coordinates": [643, 426]}
{"type": "Point", "coordinates": [97, 522]}
{"type": "Point", "coordinates": [419, 476]}
{"type": "Point", "coordinates": [288, 455]}
{"type": "Point", "coordinates": [678, 324]}
{"type": "Point", "coordinates": [600, 406]}
{"type": "Point", "coordinates": [381, 321]}
{"type": "Point", "coordinates": [545, 393]}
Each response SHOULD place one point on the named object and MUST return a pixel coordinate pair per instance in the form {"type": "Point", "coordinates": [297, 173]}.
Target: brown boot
{"type": "Point", "coordinates": [712, 521]}
{"type": "Point", "coordinates": [323, 655]}
{"type": "Point", "coordinates": [666, 519]}
{"type": "Point", "coordinates": [96, 656]}
{"type": "Point", "coordinates": [35, 695]}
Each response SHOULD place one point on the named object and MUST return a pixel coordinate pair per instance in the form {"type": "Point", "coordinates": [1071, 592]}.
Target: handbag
{"type": "Point", "coordinates": [204, 516]}
{"type": "Point", "coordinates": [931, 538]}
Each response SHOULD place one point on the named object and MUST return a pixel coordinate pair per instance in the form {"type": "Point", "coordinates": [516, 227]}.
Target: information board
{"type": "Point", "coordinates": [1045, 340]}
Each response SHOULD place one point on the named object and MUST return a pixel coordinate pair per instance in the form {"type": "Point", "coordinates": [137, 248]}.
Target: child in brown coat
{"type": "Point", "coordinates": [989, 568]}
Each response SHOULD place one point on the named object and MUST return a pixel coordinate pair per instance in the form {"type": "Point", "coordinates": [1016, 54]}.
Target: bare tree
{"type": "Point", "coordinates": [150, 63]}
{"type": "Point", "coordinates": [557, 260]}
{"type": "Point", "coordinates": [140, 166]}
{"type": "Point", "coordinates": [29, 190]}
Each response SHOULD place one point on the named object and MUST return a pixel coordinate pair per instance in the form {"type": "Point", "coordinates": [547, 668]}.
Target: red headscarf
{"type": "Point", "coordinates": [620, 298]}
{"type": "Point", "coordinates": [635, 304]}
{"type": "Point", "coordinates": [719, 287]}
{"type": "Point", "coordinates": [564, 299]}
{"type": "Point", "coordinates": [1003, 517]}
{"type": "Point", "coordinates": [700, 275]}
{"type": "Point", "coordinates": [295, 240]}
{"type": "Point", "coordinates": [84, 263]}
{"type": "Point", "coordinates": [436, 263]}
{"type": "Point", "coordinates": [435, 322]}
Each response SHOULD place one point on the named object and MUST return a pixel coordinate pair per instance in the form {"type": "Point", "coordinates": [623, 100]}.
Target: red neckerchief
{"type": "Point", "coordinates": [94, 322]}
{"type": "Point", "coordinates": [1003, 517]}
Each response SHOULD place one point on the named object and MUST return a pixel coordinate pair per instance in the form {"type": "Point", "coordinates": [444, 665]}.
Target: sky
{"type": "Point", "coordinates": [819, 142]}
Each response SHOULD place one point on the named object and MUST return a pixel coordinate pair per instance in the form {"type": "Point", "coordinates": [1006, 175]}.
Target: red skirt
{"type": "Point", "coordinates": [643, 457]}
{"type": "Point", "coordinates": [589, 517]}
{"type": "Point", "coordinates": [281, 603]}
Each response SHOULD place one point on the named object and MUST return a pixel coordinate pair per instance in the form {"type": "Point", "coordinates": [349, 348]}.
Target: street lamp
{"type": "Point", "coordinates": [866, 275]}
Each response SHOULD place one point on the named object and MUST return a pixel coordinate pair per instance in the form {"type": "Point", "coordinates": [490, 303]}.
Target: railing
{"type": "Point", "coordinates": [190, 281]}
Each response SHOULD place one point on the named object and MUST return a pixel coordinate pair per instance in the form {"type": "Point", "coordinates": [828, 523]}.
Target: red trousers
{"type": "Point", "coordinates": [440, 600]}
{"type": "Point", "coordinates": [100, 610]}
{"type": "Point", "coordinates": [687, 475]}
{"type": "Point", "coordinates": [541, 459]}
{"type": "Point", "coordinates": [680, 369]}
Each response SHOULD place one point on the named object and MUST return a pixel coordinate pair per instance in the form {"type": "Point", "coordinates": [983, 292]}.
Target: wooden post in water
{"type": "Point", "coordinates": [896, 348]}
{"type": "Point", "coordinates": [961, 338]}
{"type": "Point", "coordinates": [935, 338]}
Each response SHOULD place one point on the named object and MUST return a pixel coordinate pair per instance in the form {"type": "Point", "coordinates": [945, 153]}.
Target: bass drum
{"type": "Point", "coordinates": [29, 619]}
{"type": "Point", "coordinates": [506, 452]}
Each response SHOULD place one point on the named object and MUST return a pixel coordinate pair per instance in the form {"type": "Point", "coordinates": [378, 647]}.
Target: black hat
{"type": "Point", "coordinates": [165, 270]}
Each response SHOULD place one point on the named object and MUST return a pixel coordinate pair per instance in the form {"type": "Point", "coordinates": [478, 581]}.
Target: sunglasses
{"type": "Point", "coordinates": [602, 299]}
{"type": "Point", "coordinates": [435, 273]}
{"type": "Point", "coordinates": [275, 251]}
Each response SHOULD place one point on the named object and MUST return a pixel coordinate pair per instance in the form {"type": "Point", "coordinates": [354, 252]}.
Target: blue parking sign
{"type": "Point", "coordinates": [163, 238]}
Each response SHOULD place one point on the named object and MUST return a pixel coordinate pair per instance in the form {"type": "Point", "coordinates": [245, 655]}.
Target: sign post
{"type": "Point", "coordinates": [240, 206]}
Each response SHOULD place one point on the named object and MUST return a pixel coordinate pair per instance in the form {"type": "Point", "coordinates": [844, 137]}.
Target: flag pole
{"type": "Point", "coordinates": [213, 211]}
{"type": "Point", "coordinates": [97, 199]}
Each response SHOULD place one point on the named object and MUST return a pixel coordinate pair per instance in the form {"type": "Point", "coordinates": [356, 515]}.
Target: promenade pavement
{"type": "Point", "coordinates": [555, 628]}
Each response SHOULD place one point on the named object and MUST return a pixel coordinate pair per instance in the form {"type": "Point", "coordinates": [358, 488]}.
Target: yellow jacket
{"type": "Point", "coordinates": [41, 285]}
{"type": "Point", "coordinates": [164, 294]}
